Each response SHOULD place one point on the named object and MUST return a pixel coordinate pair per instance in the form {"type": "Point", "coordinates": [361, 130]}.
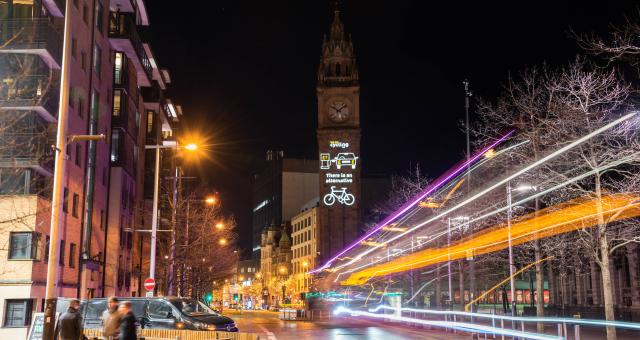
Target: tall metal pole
{"type": "Point", "coordinates": [58, 179]}
{"type": "Point", "coordinates": [449, 262]}
{"type": "Point", "coordinates": [472, 264]}
{"type": "Point", "coordinates": [174, 223]}
{"type": "Point", "coordinates": [511, 264]}
{"type": "Point", "coordinates": [154, 216]}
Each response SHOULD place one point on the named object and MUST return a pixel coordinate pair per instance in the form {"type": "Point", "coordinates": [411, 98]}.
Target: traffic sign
{"type": "Point", "coordinates": [149, 294]}
{"type": "Point", "coordinates": [149, 284]}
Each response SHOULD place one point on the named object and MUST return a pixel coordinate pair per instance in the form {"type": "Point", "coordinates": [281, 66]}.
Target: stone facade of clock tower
{"type": "Point", "coordinates": [338, 94]}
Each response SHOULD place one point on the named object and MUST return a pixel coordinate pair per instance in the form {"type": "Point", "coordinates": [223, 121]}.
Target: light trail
{"type": "Point", "coordinates": [553, 221]}
{"type": "Point", "coordinates": [585, 322]}
{"type": "Point", "coordinates": [496, 211]}
{"type": "Point", "coordinates": [430, 189]}
{"type": "Point", "coordinates": [494, 186]}
{"type": "Point", "coordinates": [461, 326]}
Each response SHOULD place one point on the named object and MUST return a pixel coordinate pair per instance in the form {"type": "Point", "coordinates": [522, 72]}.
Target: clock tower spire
{"type": "Point", "coordinates": [338, 93]}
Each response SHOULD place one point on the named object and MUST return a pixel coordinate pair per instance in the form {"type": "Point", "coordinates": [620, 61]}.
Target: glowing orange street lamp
{"type": "Point", "coordinates": [211, 200]}
{"type": "Point", "coordinates": [219, 225]}
{"type": "Point", "coordinates": [222, 241]}
{"type": "Point", "coordinates": [191, 146]}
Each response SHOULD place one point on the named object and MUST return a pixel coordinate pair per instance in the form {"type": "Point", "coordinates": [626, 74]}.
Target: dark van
{"type": "Point", "coordinates": [163, 313]}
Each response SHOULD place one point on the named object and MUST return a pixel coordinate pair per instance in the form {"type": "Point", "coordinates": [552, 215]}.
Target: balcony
{"type": "Point", "coordinates": [32, 36]}
{"type": "Point", "coordinates": [123, 34]}
{"type": "Point", "coordinates": [37, 93]}
{"type": "Point", "coordinates": [27, 150]}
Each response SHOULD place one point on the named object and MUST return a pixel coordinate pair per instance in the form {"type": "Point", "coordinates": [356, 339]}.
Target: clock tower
{"type": "Point", "coordinates": [338, 93]}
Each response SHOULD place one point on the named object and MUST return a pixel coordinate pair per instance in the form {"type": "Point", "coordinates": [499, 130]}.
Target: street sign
{"type": "Point", "coordinates": [149, 284]}
{"type": "Point", "coordinates": [149, 294]}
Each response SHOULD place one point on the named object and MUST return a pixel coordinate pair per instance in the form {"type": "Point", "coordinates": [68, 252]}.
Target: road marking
{"type": "Point", "coordinates": [270, 335]}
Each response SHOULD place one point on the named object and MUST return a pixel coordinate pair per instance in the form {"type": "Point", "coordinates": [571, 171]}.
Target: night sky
{"type": "Point", "coordinates": [245, 74]}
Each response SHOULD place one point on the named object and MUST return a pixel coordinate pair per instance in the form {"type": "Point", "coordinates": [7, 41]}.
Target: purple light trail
{"type": "Point", "coordinates": [430, 189]}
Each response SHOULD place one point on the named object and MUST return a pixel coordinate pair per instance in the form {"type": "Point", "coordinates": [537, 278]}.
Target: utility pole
{"type": "Point", "coordinates": [472, 265]}
{"type": "Point", "coordinates": [58, 177]}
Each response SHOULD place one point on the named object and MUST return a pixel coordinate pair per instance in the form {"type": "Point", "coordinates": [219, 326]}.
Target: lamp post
{"type": "Point", "coordinates": [510, 190]}
{"type": "Point", "coordinates": [154, 214]}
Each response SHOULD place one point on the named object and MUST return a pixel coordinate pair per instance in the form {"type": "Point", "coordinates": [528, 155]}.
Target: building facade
{"type": "Point", "coordinates": [279, 190]}
{"type": "Point", "coordinates": [103, 180]}
{"type": "Point", "coordinates": [338, 94]}
{"type": "Point", "coordinates": [304, 250]}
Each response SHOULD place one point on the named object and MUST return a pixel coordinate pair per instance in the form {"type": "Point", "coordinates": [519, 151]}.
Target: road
{"type": "Point", "coordinates": [268, 324]}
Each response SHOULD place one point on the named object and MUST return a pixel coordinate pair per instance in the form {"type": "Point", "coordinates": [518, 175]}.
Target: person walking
{"type": "Point", "coordinates": [111, 320]}
{"type": "Point", "coordinates": [70, 322]}
{"type": "Point", "coordinates": [128, 323]}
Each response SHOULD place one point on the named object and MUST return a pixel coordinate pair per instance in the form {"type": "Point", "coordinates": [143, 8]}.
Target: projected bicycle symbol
{"type": "Point", "coordinates": [340, 195]}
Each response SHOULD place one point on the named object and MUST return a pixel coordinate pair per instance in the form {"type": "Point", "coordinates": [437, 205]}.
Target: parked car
{"type": "Point", "coordinates": [163, 313]}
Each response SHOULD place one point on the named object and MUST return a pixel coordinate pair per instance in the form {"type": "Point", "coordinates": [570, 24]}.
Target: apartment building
{"type": "Point", "coordinates": [100, 251]}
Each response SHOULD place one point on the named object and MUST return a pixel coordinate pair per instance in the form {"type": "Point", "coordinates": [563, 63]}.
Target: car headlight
{"type": "Point", "coordinates": [200, 325]}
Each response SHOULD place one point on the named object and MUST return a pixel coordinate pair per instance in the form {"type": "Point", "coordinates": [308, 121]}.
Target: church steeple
{"type": "Point", "coordinates": [338, 62]}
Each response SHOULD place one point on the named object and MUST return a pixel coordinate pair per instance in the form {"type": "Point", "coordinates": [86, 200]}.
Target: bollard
{"type": "Point", "coordinates": [502, 326]}
{"type": "Point", "coordinates": [576, 328]}
{"type": "Point", "coordinates": [559, 330]}
{"type": "Point", "coordinates": [493, 323]}
{"type": "Point", "coordinates": [522, 326]}
{"type": "Point", "coordinates": [564, 329]}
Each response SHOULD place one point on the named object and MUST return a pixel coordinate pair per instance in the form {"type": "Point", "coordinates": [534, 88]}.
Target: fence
{"type": "Point", "coordinates": [174, 334]}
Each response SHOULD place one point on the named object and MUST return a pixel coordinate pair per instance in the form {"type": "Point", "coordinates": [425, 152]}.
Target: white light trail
{"type": "Point", "coordinates": [587, 322]}
{"type": "Point", "coordinates": [498, 184]}
{"type": "Point", "coordinates": [462, 326]}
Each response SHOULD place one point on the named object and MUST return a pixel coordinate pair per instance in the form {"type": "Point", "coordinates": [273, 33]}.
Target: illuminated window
{"type": "Point", "coordinates": [117, 70]}
{"type": "Point", "coordinates": [117, 100]}
{"type": "Point", "coordinates": [150, 121]}
{"type": "Point", "coordinates": [115, 145]}
{"type": "Point", "coordinates": [97, 60]}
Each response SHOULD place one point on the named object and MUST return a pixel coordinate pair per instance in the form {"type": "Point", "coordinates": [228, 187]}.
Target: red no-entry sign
{"type": "Point", "coordinates": [149, 284]}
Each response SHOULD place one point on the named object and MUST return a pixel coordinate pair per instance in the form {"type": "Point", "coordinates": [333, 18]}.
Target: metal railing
{"type": "Point", "coordinates": [123, 26]}
{"type": "Point", "coordinates": [31, 34]}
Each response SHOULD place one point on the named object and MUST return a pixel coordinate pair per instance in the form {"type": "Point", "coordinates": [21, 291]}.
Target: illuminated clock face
{"type": "Point", "coordinates": [338, 111]}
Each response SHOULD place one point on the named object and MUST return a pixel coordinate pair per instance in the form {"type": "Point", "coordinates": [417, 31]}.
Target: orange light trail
{"type": "Point", "coordinates": [569, 216]}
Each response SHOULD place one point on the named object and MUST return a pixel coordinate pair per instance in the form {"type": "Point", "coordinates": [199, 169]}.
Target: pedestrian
{"type": "Point", "coordinates": [69, 325]}
{"type": "Point", "coordinates": [128, 323]}
{"type": "Point", "coordinates": [111, 320]}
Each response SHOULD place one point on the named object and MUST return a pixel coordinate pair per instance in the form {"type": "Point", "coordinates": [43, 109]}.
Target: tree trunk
{"type": "Point", "coordinates": [553, 295]}
{"type": "Point", "coordinates": [539, 285]}
{"type": "Point", "coordinates": [603, 245]}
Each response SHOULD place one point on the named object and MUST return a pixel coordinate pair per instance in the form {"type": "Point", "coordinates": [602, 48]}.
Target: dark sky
{"type": "Point", "coordinates": [245, 73]}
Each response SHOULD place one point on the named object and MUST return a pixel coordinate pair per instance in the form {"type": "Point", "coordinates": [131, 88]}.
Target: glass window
{"type": "Point", "coordinates": [97, 60]}
{"type": "Point", "coordinates": [83, 61]}
{"type": "Point", "coordinates": [75, 205]}
{"type": "Point", "coordinates": [149, 121]}
{"type": "Point", "coordinates": [95, 103]}
{"type": "Point", "coordinates": [74, 48]}
{"type": "Point", "coordinates": [61, 253]}
{"type": "Point", "coordinates": [46, 248]}
{"type": "Point", "coordinates": [78, 155]}
{"type": "Point", "coordinates": [80, 105]}
{"type": "Point", "coordinates": [159, 309]}
{"type": "Point", "coordinates": [85, 14]}
{"type": "Point", "coordinates": [65, 200]}
{"type": "Point", "coordinates": [23, 246]}
{"type": "Point", "coordinates": [101, 219]}
{"type": "Point", "coordinates": [72, 255]}
{"type": "Point", "coordinates": [137, 119]}
{"type": "Point", "coordinates": [117, 70]}
{"type": "Point", "coordinates": [117, 96]}
{"type": "Point", "coordinates": [115, 143]}
{"type": "Point", "coordinates": [17, 313]}
{"type": "Point", "coordinates": [99, 15]}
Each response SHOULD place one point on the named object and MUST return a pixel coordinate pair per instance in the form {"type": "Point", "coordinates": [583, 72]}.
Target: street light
{"type": "Point", "coordinates": [223, 241]}
{"type": "Point", "coordinates": [154, 215]}
{"type": "Point", "coordinates": [210, 200]}
{"type": "Point", "coordinates": [510, 190]}
{"type": "Point", "coordinates": [219, 225]}
{"type": "Point", "coordinates": [191, 147]}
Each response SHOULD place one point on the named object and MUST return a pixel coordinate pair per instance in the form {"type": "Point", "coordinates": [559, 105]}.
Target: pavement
{"type": "Point", "coordinates": [268, 325]}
